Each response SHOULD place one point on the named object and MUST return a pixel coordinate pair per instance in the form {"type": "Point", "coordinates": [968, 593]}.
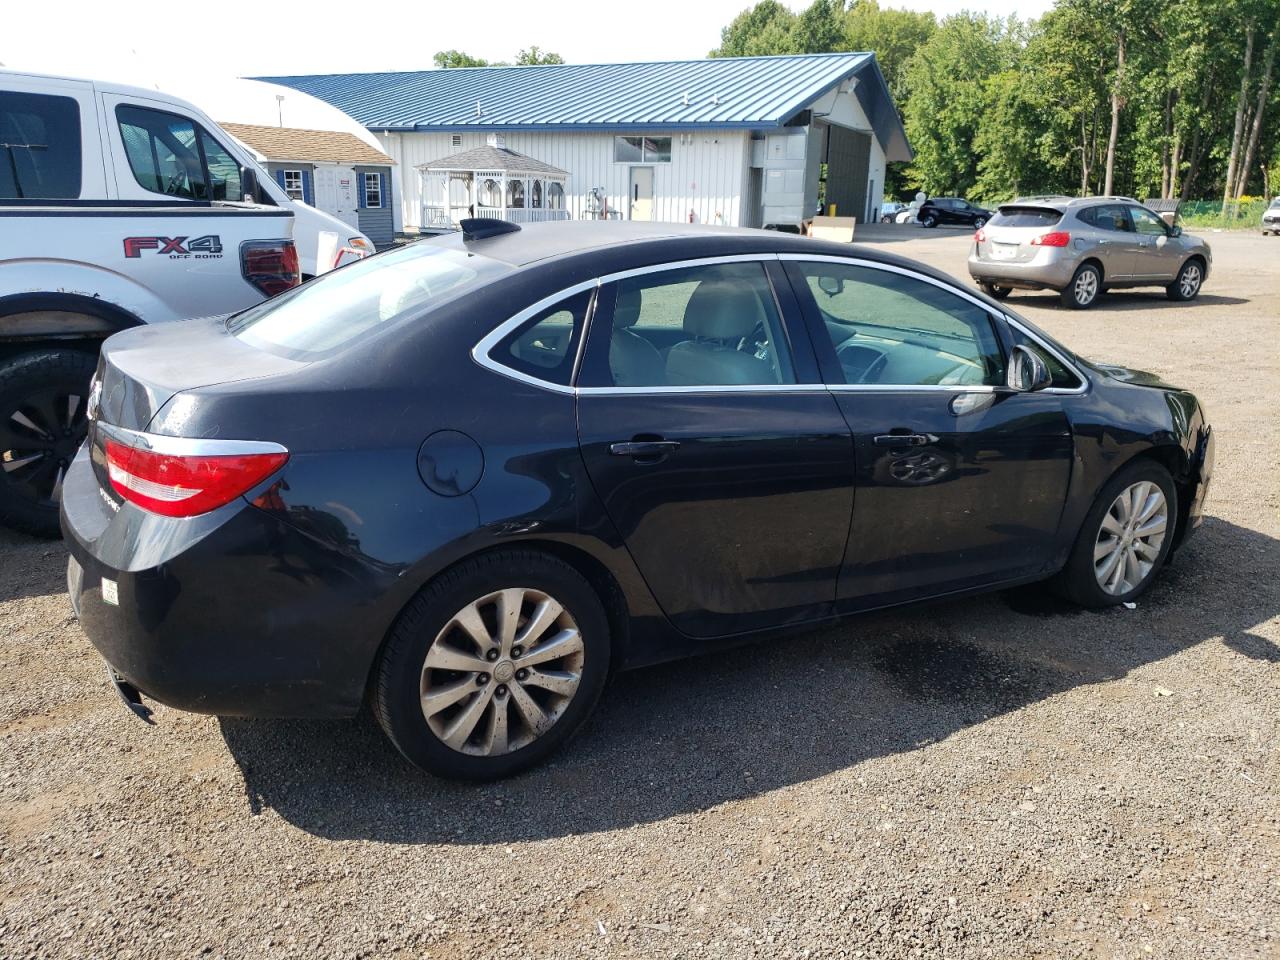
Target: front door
{"type": "Point", "coordinates": [960, 482]}
{"type": "Point", "coordinates": [728, 476]}
{"type": "Point", "coordinates": [335, 189]}
{"type": "Point", "coordinates": [642, 193]}
{"type": "Point", "coordinates": [1155, 256]}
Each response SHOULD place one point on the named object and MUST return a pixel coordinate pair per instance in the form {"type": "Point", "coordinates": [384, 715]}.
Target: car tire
{"type": "Point", "coordinates": [929, 221]}
{"type": "Point", "coordinates": [43, 398]}
{"type": "Point", "coordinates": [1186, 286]}
{"type": "Point", "coordinates": [1084, 289]}
{"type": "Point", "coordinates": [995, 291]}
{"type": "Point", "coordinates": [505, 734]}
{"type": "Point", "coordinates": [1086, 579]}
{"type": "Point", "coordinates": [886, 219]}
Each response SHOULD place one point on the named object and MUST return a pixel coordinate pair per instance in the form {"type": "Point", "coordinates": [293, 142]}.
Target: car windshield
{"type": "Point", "coordinates": [334, 310]}
{"type": "Point", "coordinates": [1275, 204]}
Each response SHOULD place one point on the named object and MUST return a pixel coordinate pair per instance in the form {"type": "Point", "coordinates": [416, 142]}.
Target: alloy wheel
{"type": "Point", "coordinates": [501, 672]}
{"type": "Point", "coordinates": [1086, 288]}
{"type": "Point", "coordinates": [38, 441]}
{"type": "Point", "coordinates": [1129, 540]}
{"type": "Point", "coordinates": [1189, 282]}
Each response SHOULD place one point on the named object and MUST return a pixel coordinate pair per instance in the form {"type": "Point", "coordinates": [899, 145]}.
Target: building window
{"type": "Point", "coordinates": [515, 193]}
{"type": "Point", "coordinates": [536, 194]}
{"type": "Point", "coordinates": [642, 149]}
{"type": "Point", "coordinates": [372, 189]}
{"type": "Point", "coordinates": [555, 196]}
{"type": "Point", "coordinates": [293, 184]}
{"type": "Point", "coordinates": [456, 140]}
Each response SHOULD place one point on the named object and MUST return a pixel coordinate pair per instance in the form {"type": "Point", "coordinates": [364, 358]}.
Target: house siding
{"type": "Point", "coordinates": [707, 173]}
{"type": "Point", "coordinates": [376, 223]}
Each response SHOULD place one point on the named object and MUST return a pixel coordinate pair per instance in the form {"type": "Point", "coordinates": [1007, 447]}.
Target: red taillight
{"type": "Point", "coordinates": [185, 485]}
{"type": "Point", "coordinates": [270, 265]}
{"type": "Point", "coordinates": [980, 236]}
{"type": "Point", "coordinates": [1058, 238]}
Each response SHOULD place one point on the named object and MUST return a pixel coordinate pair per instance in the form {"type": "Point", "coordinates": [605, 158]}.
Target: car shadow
{"type": "Point", "coordinates": [680, 738]}
{"type": "Point", "coordinates": [1116, 301]}
{"type": "Point", "coordinates": [31, 567]}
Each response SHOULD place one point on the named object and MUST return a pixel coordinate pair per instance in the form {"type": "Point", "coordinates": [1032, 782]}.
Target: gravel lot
{"type": "Point", "coordinates": [997, 777]}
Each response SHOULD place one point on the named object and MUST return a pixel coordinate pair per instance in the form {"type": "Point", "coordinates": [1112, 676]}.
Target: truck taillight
{"type": "Point", "coordinates": [186, 484]}
{"type": "Point", "coordinates": [270, 265]}
{"type": "Point", "coordinates": [1059, 238]}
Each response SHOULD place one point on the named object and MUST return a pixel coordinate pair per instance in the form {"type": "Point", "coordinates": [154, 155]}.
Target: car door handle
{"type": "Point", "coordinates": [904, 439]}
{"type": "Point", "coordinates": [644, 448]}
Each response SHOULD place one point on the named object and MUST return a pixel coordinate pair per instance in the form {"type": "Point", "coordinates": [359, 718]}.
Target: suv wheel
{"type": "Point", "coordinates": [979, 223]}
{"type": "Point", "coordinates": [493, 666]}
{"type": "Point", "coordinates": [928, 220]}
{"type": "Point", "coordinates": [1083, 289]}
{"type": "Point", "coordinates": [1187, 284]}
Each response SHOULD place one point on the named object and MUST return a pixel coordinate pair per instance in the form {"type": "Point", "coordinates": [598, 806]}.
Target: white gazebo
{"type": "Point", "coordinates": [490, 181]}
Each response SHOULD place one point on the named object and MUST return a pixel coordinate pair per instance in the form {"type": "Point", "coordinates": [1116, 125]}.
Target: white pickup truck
{"type": "Point", "coordinates": [74, 272]}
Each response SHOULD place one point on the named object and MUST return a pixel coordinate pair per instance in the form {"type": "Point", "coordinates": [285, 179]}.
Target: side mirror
{"type": "Point", "coordinates": [1027, 371]}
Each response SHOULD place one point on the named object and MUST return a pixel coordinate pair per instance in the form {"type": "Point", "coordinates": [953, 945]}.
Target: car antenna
{"type": "Point", "coordinates": [481, 228]}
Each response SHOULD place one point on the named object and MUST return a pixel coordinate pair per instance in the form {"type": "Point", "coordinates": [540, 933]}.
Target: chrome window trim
{"type": "Point", "coordinates": [962, 294]}
{"type": "Point", "coordinates": [186, 446]}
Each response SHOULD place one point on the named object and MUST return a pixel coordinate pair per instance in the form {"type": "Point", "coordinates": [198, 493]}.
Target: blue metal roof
{"type": "Point", "coordinates": [740, 92]}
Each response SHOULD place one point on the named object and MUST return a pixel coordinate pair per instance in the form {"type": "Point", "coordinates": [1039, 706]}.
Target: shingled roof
{"type": "Point", "coordinates": [306, 146]}
{"type": "Point", "coordinates": [497, 159]}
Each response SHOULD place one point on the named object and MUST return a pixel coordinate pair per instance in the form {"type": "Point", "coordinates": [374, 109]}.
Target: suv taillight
{"type": "Point", "coordinates": [1059, 238]}
{"type": "Point", "coordinates": [185, 484]}
{"type": "Point", "coordinates": [270, 265]}
{"type": "Point", "coordinates": [980, 236]}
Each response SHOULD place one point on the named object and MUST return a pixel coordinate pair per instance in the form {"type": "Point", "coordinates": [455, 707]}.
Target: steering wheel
{"type": "Point", "coordinates": [174, 181]}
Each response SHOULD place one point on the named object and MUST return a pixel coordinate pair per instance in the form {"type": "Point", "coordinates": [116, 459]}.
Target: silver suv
{"type": "Point", "coordinates": [1083, 246]}
{"type": "Point", "coordinates": [1271, 218]}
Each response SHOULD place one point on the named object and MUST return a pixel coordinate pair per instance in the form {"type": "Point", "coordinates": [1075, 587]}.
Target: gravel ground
{"type": "Point", "coordinates": [997, 777]}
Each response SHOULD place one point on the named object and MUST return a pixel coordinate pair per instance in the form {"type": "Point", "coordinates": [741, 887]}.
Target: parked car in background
{"type": "Point", "coordinates": [1271, 218]}
{"type": "Point", "coordinates": [1083, 246]}
{"type": "Point", "coordinates": [120, 122]}
{"type": "Point", "coordinates": [467, 479]}
{"type": "Point", "coordinates": [906, 215]}
{"type": "Point", "coordinates": [75, 270]}
{"type": "Point", "coordinates": [890, 209]}
{"type": "Point", "coordinates": [951, 212]}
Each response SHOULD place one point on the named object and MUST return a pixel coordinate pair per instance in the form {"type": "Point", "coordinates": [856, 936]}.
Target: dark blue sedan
{"type": "Point", "coordinates": [467, 479]}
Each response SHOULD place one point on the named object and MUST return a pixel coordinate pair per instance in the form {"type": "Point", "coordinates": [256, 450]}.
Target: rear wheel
{"type": "Point", "coordinates": [1187, 284]}
{"type": "Point", "coordinates": [1125, 538]}
{"type": "Point", "coordinates": [1083, 289]}
{"type": "Point", "coordinates": [43, 402]}
{"type": "Point", "coordinates": [929, 220]}
{"type": "Point", "coordinates": [493, 665]}
{"type": "Point", "coordinates": [995, 291]}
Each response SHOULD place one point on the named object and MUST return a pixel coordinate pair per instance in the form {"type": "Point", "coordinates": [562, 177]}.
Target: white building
{"type": "Point", "coordinates": [749, 141]}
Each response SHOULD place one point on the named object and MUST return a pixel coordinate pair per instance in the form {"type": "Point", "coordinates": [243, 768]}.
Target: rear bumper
{"type": "Point", "coordinates": [1032, 275]}
{"type": "Point", "coordinates": [241, 615]}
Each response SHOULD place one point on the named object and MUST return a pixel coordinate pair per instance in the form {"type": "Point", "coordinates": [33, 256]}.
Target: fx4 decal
{"type": "Point", "coordinates": [175, 248]}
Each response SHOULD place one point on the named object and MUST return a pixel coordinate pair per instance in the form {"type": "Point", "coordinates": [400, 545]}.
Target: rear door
{"type": "Point", "coordinates": [960, 482]}
{"type": "Point", "coordinates": [1116, 245]}
{"type": "Point", "coordinates": [725, 465]}
{"type": "Point", "coordinates": [49, 143]}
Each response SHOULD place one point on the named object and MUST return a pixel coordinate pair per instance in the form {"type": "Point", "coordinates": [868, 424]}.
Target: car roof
{"type": "Point", "coordinates": [640, 244]}
{"type": "Point", "coordinates": [1063, 203]}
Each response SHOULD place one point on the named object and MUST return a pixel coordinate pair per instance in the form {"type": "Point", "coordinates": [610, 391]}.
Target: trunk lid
{"type": "Point", "coordinates": [1009, 233]}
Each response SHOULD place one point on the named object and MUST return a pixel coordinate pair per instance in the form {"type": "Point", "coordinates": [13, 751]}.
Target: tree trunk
{"type": "Point", "coordinates": [1115, 114]}
{"type": "Point", "coordinates": [1240, 107]}
{"type": "Point", "coordinates": [1084, 157]}
{"type": "Point", "coordinates": [1165, 144]}
{"type": "Point", "coordinates": [1175, 163]}
{"type": "Point", "coordinates": [1242, 180]}
{"type": "Point", "coordinates": [1195, 153]}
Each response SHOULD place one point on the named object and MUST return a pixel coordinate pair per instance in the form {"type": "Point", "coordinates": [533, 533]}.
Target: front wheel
{"type": "Point", "coordinates": [1125, 538]}
{"type": "Point", "coordinates": [44, 396]}
{"type": "Point", "coordinates": [1187, 284]}
{"type": "Point", "coordinates": [929, 221]}
{"type": "Point", "coordinates": [886, 219]}
{"type": "Point", "coordinates": [493, 666]}
{"type": "Point", "coordinates": [1084, 288]}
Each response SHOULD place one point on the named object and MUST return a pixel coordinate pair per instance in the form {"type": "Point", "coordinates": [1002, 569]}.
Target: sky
{"type": "Point", "coordinates": [149, 44]}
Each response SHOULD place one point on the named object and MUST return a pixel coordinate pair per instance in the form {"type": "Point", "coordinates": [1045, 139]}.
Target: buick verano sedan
{"type": "Point", "coordinates": [466, 480]}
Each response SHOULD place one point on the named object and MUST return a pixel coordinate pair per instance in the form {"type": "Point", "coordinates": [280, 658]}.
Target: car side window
{"type": "Point", "coordinates": [40, 151]}
{"type": "Point", "coordinates": [225, 178]}
{"type": "Point", "coordinates": [546, 345]}
{"type": "Point", "coordinates": [1113, 217]}
{"type": "Point", "coordinates": [171, 155]}
{"type": "Point", "coordinates": [894, 329]}
{"type": "Point", "coordinates": [1147, 223]}
{"type": "Point", "coordinates": [714, 325]}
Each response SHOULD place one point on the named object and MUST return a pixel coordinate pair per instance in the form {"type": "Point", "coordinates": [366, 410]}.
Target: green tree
{"type": "Point", "coordinates": [820, 28]}
{"type": "Point", "coordinates": [892, 35]}
{"type": "Point", "coordinates": [763, 30]}
{"type": "Point", "coordinates": [535, 56]}
{"type": "Point", "coordinates": [447, 59]}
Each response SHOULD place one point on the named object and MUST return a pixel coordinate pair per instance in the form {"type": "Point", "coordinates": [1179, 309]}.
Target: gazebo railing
{"type": "Point", "coordinates": [523, 214]}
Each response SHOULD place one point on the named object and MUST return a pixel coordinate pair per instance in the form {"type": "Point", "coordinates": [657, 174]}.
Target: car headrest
{"type": "Point", "coordinates": [722, 310]}
{"type": "Point", "coordinates": [627, 310]}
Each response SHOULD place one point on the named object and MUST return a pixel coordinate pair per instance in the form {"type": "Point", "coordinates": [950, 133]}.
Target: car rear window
{"type": "Point", "coordinates": [1025, 217]}
{"type": "Point", "coordinates": [334, 310]}
{"type": "Point", "coordinates": [39, 147]}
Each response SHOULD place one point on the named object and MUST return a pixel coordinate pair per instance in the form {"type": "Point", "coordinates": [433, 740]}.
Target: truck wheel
{"type": "Point", "coordinates": [43, 400]}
